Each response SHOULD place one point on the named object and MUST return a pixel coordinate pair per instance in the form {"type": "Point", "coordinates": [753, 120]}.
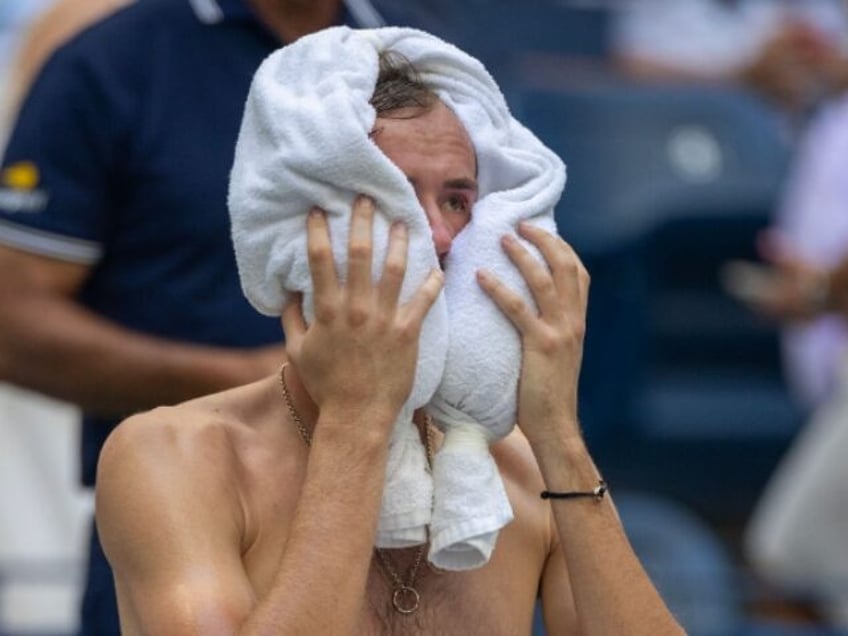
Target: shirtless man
{"type": "Point", "coordinates": [254, 511]}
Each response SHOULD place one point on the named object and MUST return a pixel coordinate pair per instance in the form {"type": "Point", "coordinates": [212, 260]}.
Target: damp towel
{"type": "Point", "coordinates": [304, 141]}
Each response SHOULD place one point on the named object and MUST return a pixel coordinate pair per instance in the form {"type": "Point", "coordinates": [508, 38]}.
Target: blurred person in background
{"type": "Point", "coordinates": [118, 280]}
{"type": "Point", "coordinates": [797, 533]}
{"type": "Point", "coordinates": [793, 53]}
{"type": "Point", "coordinates": [42, 529]}
{"type": "Point", "coordinates": [46, 31]}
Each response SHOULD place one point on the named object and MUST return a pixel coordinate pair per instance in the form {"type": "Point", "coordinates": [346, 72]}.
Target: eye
{"type": "Point", "coordinates": [458, 203]}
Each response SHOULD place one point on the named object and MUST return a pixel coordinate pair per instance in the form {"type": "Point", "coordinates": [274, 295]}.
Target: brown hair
{"type": "Point", "coordinates": [399, 87]}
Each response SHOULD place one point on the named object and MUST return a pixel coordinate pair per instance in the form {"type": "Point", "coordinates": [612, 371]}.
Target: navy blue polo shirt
{"type": "Point", "coordinates": [120, 160]}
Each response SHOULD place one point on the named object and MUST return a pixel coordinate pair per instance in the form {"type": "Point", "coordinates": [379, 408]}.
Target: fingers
{"type": "Point", "coordinates": [563, 280]}
{"type": "Point", "coordinates": [394, 268]}
{"type": "Point", "coordinates": [420, 303]}
{"type": "Point", "coordinates": [360, 248]}
{"type": "Point", "coordinates": [509, 302]}
{"type": "Point", "coordinates": [569, 274]}
{"type": "Point", "coordinates": [320, 254]}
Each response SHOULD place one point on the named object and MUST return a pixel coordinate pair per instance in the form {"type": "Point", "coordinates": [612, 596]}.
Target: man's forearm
{"type": "Point", "coordinates": [321, 583]}
{"type": "Point", "coordinates": [612, 592]}
{"type": "Point", "coordinates": [51, 345]}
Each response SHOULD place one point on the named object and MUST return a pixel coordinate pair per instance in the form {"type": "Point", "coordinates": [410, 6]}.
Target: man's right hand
{"type": "Point", "coordinates": [360, 352]}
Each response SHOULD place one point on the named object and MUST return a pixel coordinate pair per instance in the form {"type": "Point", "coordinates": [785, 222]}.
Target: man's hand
{"type": "Point", "coordinates": [552, 335]}
{"type": "Point", "coordinates": [360, 352]}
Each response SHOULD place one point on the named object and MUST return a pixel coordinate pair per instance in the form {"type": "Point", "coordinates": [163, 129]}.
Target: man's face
{"type": "Point", "coordinates": [435, 153]}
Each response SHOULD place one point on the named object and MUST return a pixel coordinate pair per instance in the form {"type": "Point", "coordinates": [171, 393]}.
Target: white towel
{"type": "Point", "coordinates": [520, 180]}
{"type": "Point", "coordinates": [304, 141]}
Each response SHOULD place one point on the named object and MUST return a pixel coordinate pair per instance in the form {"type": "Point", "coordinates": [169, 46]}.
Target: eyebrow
{"type": "Point", "coordinates": [461, 183]}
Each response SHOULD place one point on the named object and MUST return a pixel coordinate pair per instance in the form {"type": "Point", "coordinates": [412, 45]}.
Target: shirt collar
{"type": "Point", "coordinates": [360, 13]}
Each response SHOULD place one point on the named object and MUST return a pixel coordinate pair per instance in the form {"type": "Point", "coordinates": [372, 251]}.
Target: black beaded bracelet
{"type": "Point", "coordinates": [597, 494]}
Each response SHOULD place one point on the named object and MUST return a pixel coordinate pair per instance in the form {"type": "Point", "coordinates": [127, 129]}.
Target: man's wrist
{"type": "Point", "coordinates": [565, 462]}
{"type": "Point", "coordinates": [369, 425]}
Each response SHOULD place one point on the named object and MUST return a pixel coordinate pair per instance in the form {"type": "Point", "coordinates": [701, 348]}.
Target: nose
{"type": "Point", "coordinates": [440, 230]}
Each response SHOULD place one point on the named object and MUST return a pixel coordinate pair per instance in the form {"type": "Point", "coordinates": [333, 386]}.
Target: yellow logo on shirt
{"type": "Point", "coordinates": [19, 191]}
{"type": "Point", "coordinates": [22, 175]}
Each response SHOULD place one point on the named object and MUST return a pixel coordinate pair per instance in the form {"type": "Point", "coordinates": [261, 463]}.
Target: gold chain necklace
{"type": "Point", "coordinates": [405, 596]}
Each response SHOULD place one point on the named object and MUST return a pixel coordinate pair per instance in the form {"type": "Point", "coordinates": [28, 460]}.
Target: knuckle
{"type": "Point", "coordinates": [359, 250]}
{"type": "Point", "coordinates": [325, 311]}
{"type": "Point", "coordinates": [407, 331]}
{"type": "Point", "coordinates": [550, 342]}
{"type": "Point", "coordinates": [544, 283]}
{"type": "Point", "coordinates": [514, 305]}
{"type": "Point", "coordinates": [357, 314]}
{"type": "Point", "coordinates": [394, 269]}
{"type": "Point", "coordinates": [319, 253]}
{"type": "Point", "coordinates": [561, 260]}
{"type": "Point", "coordinates": [571, 266]}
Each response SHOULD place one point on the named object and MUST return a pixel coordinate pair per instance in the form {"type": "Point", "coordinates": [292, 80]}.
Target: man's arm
{"type": "Point", "coordinates": [172, 522]}
{"type": "Point", "coordinates": [357, 360]}
{"type": "Point", "coordinates": [611, 592]}
{"type": "Point", "coordinates": [51, 344]}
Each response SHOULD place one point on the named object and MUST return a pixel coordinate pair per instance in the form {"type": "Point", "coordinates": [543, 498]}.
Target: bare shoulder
{"type": "Point", "coordinates": [171, 509]}
{"type": "Point", "coordinates": [186, 461]}
{"type": "Point", "coordinates": [198, 433]}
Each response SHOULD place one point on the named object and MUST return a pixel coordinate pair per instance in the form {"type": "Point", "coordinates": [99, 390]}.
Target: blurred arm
{"type": "Point", "coordinates": [52, 344]}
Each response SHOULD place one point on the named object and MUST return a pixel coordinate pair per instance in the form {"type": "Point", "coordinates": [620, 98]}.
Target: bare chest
{"type": "Point", "coordinates": [497, 599]}
{"type": "Point", "coordinates": [487, 602]}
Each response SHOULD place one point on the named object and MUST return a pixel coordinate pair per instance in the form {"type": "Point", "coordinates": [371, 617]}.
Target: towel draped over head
{"type": "Point", "coordinates": [305, 141]}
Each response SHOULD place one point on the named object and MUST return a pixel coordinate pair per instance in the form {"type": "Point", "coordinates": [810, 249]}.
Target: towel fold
{"type": "Point", "coordinates": [305, 141]}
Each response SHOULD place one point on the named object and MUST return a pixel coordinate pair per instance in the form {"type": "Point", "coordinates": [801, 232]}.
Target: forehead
{"type": "Point", "coordinates": [410, 137]}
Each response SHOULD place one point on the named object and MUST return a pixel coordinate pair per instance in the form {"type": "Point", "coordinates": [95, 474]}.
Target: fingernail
{"type": "Point", "coordinates": [316, 212]}
{"type": "Point", "coordinates": [508, 239]}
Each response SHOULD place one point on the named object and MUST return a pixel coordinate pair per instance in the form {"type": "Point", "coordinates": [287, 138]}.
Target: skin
{"type": "Point", "coordinates": [44, 330]}
{"type": "Point", "coordinates": [217, 519]}
{"type": "Point", "coordinates": [796, 290]}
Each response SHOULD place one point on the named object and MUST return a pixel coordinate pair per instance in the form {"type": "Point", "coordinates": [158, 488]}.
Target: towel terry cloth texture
{"type": "Point", "coordinates": [304, 141]}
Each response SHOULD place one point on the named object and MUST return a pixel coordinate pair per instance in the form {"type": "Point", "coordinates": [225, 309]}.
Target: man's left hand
{"type": "Point", "coordinates": [551, 333]}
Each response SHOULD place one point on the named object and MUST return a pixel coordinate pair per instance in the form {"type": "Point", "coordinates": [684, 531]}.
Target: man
{"type": "Point", "coordinates": [255, 510]}
{"type": "Point", "coordinates": [117, 277]}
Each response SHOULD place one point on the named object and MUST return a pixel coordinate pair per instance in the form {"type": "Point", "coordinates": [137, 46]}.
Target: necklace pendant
{"type": "Point", "coordinates": [405, 599]}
